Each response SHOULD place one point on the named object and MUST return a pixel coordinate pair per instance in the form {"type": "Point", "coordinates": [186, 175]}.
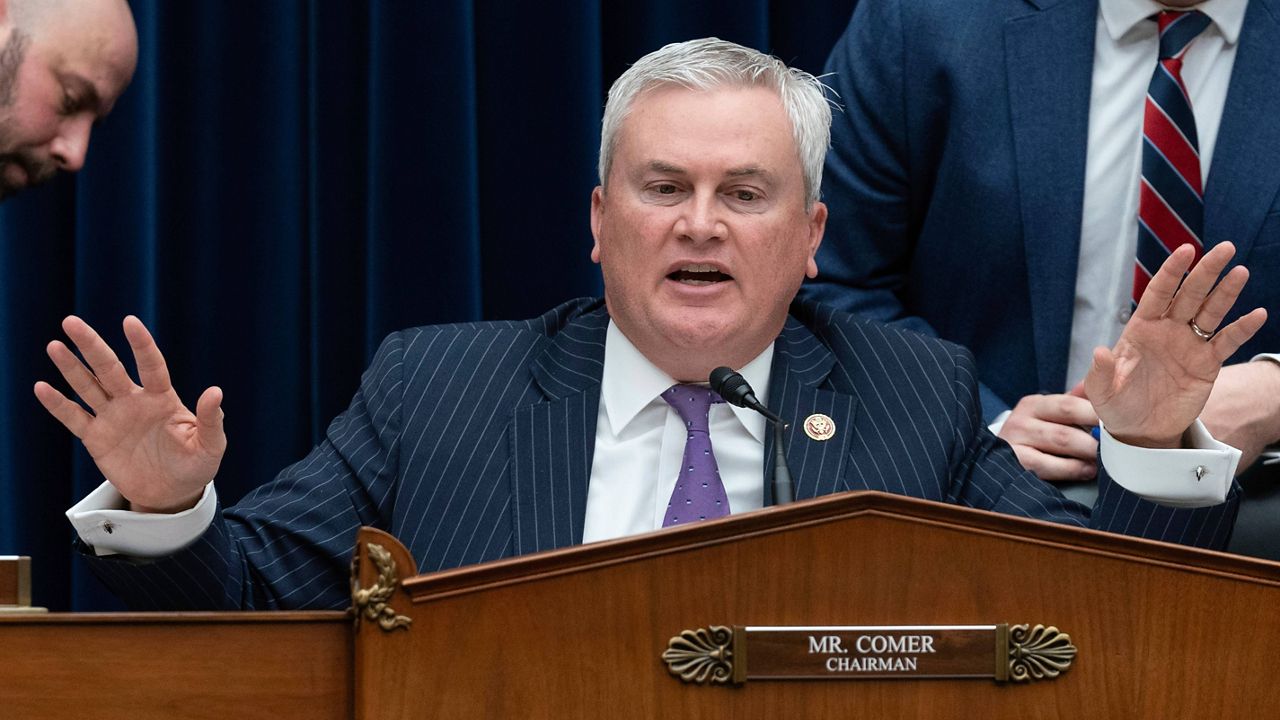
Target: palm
{"type": "Point", "coordinates": [147, 445]}
{"type": "Point", "coordinates": [1157, 387]}
{"type": "Point", "coordinates": [155, 451]}
{"type": "Point", "coordinates": [1152, 386]}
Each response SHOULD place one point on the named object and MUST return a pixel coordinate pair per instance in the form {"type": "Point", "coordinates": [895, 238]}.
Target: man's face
{"type": "Point", "coordinates": [702, 233]}
{"type": "Point", "coordinates": [56, 80]}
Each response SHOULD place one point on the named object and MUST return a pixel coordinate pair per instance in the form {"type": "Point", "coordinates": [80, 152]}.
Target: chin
{"type": "Point", "coordinates": [695, 349]}
{"type": "Point", "coordinates": [705, 329]}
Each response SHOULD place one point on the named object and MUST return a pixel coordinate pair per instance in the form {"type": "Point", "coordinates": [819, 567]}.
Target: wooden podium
{"type": "Point", "coordinates": [1158, 630]}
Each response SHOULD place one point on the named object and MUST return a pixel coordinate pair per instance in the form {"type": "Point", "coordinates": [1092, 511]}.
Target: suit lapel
{"type": "Point", "coordinates": [1244, 177]}
{"type": "Point", "coordinates": [801, 364]}
{"type": "Point", "coordinates": [552, 441]}
{"type": "Point", "coordinates": [1049, 62]}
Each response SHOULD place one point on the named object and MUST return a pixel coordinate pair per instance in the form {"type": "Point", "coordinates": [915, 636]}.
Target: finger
{"type": "Point", "coordinates": [1230, 338]}
{"type": "Point", "coordinates": [1061, 440]}
{"type": "Point", "coordinates": [1219, 302]}
{"type": "Point", "coordinates": [1055, 469]}
{"type": "Point", "coordinates": [152, 369]}
{"type": "Point", "coordinates": [1159, 293]}
{"type": "Point", "coordinates": [77, 375]}
{"type": "Point", "coordinates": [102, 361]}
{"type": "Point", "coordinates": [1078, 391]}
{"type": "Point", "coordinates": [71, 415]}
{"type": "Point", "coordinates": [1199, 282]}
{"type": "Point", "coordinates": [1066, 410]}
{"type": "Point", "coordinates": [209, 417]}
{"type": "Point", "coordinates": [1099, 382]}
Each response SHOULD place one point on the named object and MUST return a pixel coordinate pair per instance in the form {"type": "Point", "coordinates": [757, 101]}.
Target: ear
{"type": "Point", "coordinates": [817, 226]}
{"type": "Point", "coordinates": [597, 218]}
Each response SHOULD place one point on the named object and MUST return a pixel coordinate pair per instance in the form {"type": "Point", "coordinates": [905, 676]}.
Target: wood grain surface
{"type": "Point", "coordinates": [1162, 631]}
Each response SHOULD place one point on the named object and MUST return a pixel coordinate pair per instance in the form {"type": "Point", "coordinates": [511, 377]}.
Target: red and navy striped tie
{"type": "Point", "coordinates": [1171, 200]}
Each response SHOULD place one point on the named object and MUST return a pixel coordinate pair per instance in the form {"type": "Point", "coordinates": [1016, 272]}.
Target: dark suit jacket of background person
{"type": "Point", "coordinates": [474, 442]}
{"type": "Point", "coordinates": [955, 181]}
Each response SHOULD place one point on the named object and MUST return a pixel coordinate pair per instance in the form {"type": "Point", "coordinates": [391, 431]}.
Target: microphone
{"type": "Point", "coordinates": [735, 390]}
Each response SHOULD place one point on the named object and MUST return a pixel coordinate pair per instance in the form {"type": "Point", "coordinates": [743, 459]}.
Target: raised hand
{"type": "Point", "coordinates": [1150, 388]}
{"type": "Point", "coordinates": [145, 441]}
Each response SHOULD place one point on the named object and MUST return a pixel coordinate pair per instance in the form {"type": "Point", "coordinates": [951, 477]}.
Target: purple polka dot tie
{"type": "Point", "coordinates": [699, 493]}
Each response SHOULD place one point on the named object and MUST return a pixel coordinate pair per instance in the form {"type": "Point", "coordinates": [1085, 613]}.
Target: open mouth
{"type": "Point", "coordinates": [698, 275]}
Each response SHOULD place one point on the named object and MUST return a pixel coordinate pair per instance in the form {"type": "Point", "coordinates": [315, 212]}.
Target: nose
{"type": "Point", "coordinates": [700, 221]}
{"type": "Point", "coordinates": [72, 144]}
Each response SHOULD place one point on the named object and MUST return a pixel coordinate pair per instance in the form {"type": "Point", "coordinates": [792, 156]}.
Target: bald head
{"type": "Point", "coordinates": [63, 64]}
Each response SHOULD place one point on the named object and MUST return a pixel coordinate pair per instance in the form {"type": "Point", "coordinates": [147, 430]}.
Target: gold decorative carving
{"type": "Point", "coordinates": [371, 602]}
{"type": "Point", "coordinates": [1038, 653]}
{"type": "Point", "coordinates": [701, 656]}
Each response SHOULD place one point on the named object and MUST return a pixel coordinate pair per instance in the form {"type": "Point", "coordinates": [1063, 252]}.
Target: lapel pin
{"type": "Point", "coordinates": [819, 427]}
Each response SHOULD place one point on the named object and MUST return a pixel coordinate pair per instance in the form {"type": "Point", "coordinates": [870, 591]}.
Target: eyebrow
{"type": "Point", "coordinates": [665, 167]}
{"type": "Point", "coordinates": [738, 172]}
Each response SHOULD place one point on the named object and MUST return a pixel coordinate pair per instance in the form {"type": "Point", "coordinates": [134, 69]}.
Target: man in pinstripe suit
{"type": "Point", "coordinates": [479, 441]}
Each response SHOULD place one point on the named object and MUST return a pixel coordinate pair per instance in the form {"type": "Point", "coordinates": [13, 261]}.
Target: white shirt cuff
{"type": "Point", "coordinates": [998, 424]}
{"type": "Point", "coordinates": [104, 524]}
{"type": "Point", "coordinates": [1198, 476]}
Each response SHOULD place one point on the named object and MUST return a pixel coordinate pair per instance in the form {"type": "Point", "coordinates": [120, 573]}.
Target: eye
{"type": "Point", "coordinates": [745, 195]}
{"type": "Point", "coordinates": [663, 191]}
{"type": "Point", "coordinates": [69, 102]}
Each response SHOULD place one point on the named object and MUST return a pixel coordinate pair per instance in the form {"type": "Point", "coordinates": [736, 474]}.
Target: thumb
{"type": "Point", "coordinates": [209, 417]}
{"type": "Point", "coordinates": [1098, 384]}
{"type": "Point", "coordinates": [1078, 391]}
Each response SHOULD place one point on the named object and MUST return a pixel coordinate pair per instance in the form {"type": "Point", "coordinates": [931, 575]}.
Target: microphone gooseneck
{"type": "Point", "coordinates": [735, 390]}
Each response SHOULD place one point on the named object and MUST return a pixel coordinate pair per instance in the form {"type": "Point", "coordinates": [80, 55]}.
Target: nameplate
{"type": "Point", "coordinates": [722, 654]}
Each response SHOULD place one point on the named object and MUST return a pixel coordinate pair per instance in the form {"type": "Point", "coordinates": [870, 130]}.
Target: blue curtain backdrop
{"type": "Point", "coordinates": [286, 181]}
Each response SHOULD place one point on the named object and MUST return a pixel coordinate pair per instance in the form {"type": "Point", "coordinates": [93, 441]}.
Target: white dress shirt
{"type": "Point", "coordinates": [640, 443]}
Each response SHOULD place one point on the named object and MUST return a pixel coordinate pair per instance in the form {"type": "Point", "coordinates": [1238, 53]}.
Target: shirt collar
{"type": "Point", "coordinates": [630, 382]}
{"type": "Point", "coordinates": [1121, 16]}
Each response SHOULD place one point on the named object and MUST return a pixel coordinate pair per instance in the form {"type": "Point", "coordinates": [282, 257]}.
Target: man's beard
{"type": "Point", "coordinates": [37, 170]}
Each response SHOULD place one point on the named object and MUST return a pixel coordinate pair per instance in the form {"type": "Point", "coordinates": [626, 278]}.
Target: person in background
{"type": "Point", "coordinates": [63, 64]}
{"type": "Point", "coordinates": [1008, 174]}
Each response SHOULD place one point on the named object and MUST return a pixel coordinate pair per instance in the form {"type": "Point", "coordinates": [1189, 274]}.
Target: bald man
{"type": "Point", "coordinates": [63, 64]}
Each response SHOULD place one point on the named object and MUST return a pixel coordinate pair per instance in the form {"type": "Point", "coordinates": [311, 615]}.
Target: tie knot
{"type": "Point", "coordinates": [693, 403]}
{"type": "Point", "coordinates": [1177, 29]}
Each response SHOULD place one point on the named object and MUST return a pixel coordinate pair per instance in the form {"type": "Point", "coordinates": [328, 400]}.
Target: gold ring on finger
{"type": "Point", "coordinates": [1207, 336]}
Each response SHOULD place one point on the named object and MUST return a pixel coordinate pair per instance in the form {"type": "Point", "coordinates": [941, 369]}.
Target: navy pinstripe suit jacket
{"type": "Point", "coordinates": [474, 442]}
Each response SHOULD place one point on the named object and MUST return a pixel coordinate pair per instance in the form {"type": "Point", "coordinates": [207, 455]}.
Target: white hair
{"type": "Point", "coordinates": [711, 63]}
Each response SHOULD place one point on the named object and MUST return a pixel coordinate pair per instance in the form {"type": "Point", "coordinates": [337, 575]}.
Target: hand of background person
{"type": "Point", "coordinates": [1243, 410]}
{"type": "Point", "coordinates": [147, 444]}
{"type": "Point", "coordinates": [1046, 433]}
{"type": "Point", "coordinates": [1154, 383]}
